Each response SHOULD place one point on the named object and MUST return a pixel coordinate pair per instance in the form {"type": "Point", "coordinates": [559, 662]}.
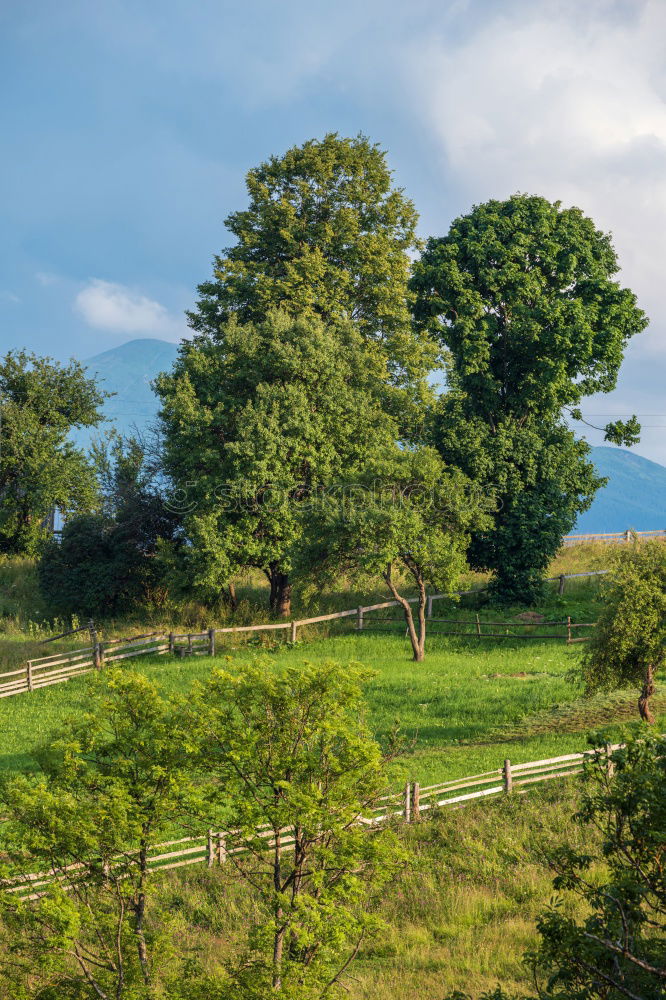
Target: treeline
{"type": "Point", "coordinates": [352, 401]}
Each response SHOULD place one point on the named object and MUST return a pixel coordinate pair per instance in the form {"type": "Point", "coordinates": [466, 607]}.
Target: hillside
{"type": "Point", "coordinates": [635, 496]}
{"type": "Point", "coordinates": [128, 371]}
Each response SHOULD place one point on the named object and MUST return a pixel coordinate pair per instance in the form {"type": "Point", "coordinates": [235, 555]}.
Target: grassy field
{"type": "Point", "coordinates": [468, 706]}
{"type": "Point", "coordinates": [460, 916]}
{"type": "Point", "coordinates": [463, 911]}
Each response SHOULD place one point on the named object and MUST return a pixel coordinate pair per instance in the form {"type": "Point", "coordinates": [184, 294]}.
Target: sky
{"type": "Point", "coordinates": [128, 127]}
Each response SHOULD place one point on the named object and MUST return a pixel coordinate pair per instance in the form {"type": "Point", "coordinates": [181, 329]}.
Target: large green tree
{"type": "Point", "coordinates": [327, 234]}
{"type": "Point", "coordinates": [41, 401]}
{"type": "Point", "coordinates": [256, 420]}
{"type": "Point", "coordinates": [522, 295]}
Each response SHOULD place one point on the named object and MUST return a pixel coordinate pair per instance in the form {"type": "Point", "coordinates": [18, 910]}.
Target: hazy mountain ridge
{"type": "Point", "coordinates": [635, 496]}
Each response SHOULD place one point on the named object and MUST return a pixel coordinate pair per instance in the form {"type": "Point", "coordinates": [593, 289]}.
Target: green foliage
{"type": "Point", "coordinates": [290, 754]}
{"type": "Point", "coordinates": [629, 643]}
{"type": "Point", "coordinates": [405, 511]}
{"type": "Point", "coordinates": [521, 294]}
{"type": "Point", "coordinates": [40, 469]}
{"type": "Point", "coordinates": [542, 478]}
{"type": "Point", "coordinates": [325, 235]}
{"type": "Point", "coordinates": [104, 563]}
{"type": "Point", "coordinates": [257, 419]}
{"type": "Point", "coordinates": [110, 784]}
{"type": "Point", "coordinates": [619, 949]}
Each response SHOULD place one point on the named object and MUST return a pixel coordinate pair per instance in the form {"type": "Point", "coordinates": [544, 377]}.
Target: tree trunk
{"type": "Point", "coordinates": [417, 641]}
{"type": "Point", "coordinates": [646, 694]}
{"type": "Point", "coordinates": [280, 595]}
{"type": "Point", "coordinates": [229, 597]}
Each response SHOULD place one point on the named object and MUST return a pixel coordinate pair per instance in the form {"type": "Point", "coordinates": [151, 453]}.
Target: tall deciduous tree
{"type": "Point", "coordinates": [522, 295]}
{"type": "Point", "coordinates": [257, 420]}
{"type": "Point", "coordinates": [325, 234]}
{"type": "Point", "coordinates": [407, 515]}
{"type": "Point", "coordinates": [629, 642]}
{"type": "Point", "coordinates": [41, 401]}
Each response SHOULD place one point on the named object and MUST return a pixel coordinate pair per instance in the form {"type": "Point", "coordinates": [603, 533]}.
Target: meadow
{"type": "Point", "coordinates": [463, 911]}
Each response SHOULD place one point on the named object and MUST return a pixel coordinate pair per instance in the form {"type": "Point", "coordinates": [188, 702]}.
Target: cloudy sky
{"type": "Point", "coordinates": [128, 126]}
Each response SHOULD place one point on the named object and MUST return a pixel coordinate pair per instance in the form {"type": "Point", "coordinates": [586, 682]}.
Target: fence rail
{"type": "Point", "coordinates": [614, 538]}
{"type": "Point", "coordinates": [39, 672]}
{"type": "Point", "coordinates": [215, 847]}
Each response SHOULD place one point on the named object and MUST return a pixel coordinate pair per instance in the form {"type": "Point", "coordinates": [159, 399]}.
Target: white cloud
{"type": "Point", "coordinates": [7, 296]}
{"type": "Point", "coordinates": [108, 305]}
{"type": "Point", "coordinates": [558, 100]}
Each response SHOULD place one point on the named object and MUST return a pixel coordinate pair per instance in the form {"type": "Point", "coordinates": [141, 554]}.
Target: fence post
{"type": "Point", "coordinates": [221, 848]}
{"type": "Point", "coordinates": [560, 589]}
{"type": "Point", "coordinates": [95, 644]}
{"type": "Point", "coordinates": [478, 625]}
{"type": "Point", "coordinates": [359, 619]}
{"type": "Point", "coordinates": [508, 777]}
{"type": "Point", "coordinates": [610, 766]}
{"type": "Point", "coordinates": [416, 801]}
{"type": "Point", "coordinates": [429, 608]}
{"type": "Point", "coordinates": [408, 802]}
{"type": "Point", "coordinates": [211, 642]}
{"type": "Point", "coordinates": [172, 643]}
{"type": "Point", "coordinates": [29, 675]}
{"type": "Point", "coordinates": [209, 849]}
{"type": "Point", "coordinates": [568, 629]}
{"type": "Point", "coordinates": [293, 631]}
{"type": "Point", "coordinates": [100, 654]}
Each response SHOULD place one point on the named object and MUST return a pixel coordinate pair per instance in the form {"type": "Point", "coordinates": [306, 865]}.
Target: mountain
{"type": "Point", "coordinates": [128, 371]}
{"type": "Point", "coordinates": [635, 496]}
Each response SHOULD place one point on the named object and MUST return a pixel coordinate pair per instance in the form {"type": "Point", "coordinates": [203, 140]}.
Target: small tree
{"type": "Point", "coordinates": [104, 563]}
{"type": "Point", "coordinates": [629, 642]}
{"type": "Point", "coordinates": [109, 786]}
{"type": "Point", "coordinates": [294, 751]}
{"type": "Point", "coordinates": [407, 514]}
{"type": "Point", "coordinates": [616, 951]}
{"type": "Point", "coordinates": [41, 401]}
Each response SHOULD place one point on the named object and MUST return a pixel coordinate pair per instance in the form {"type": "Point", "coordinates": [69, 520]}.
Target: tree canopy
{"type": "Point", "coordinates": [629, 643]}
{"type": "Point", "coordinates": [256, 420]}
{"type": "Point", "coordinates": [41, 401]}
{"type": "Point", "coordinates": [406, 514]}
{"type": "Point", "coordinates": [326, 234]}
{"type": "Point", "coordinates": [522, 296]}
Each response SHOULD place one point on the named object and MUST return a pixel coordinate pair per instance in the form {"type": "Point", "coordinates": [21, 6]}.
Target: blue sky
{"type": "Point", "coordinates": [127, 129]}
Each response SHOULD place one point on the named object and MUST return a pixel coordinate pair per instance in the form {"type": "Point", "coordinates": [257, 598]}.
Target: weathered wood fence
{"type": "Point", "coordinates": [59, 667]}
{"type": "Point", "coordinates": [614, 538]}
{"type": "Point", "coordinates": [409, 806]}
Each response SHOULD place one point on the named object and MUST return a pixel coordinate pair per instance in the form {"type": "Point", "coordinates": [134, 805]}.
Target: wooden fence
{"type": "Point", "coordinates": [59, 667]}
{"type": "Point", "coordinates": [409, 805]}
{"type": "Point", "coordinates": [614, 538]}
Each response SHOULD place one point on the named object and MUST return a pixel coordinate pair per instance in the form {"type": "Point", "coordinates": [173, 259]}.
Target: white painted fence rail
{"type": "Point", "coordinates": [408, 805]}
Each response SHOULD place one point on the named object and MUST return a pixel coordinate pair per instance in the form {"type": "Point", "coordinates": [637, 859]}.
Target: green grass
{"type": "Point", "coordinates": [463, 710]}
{"type": "Point", "coordinates": [460, 915]}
